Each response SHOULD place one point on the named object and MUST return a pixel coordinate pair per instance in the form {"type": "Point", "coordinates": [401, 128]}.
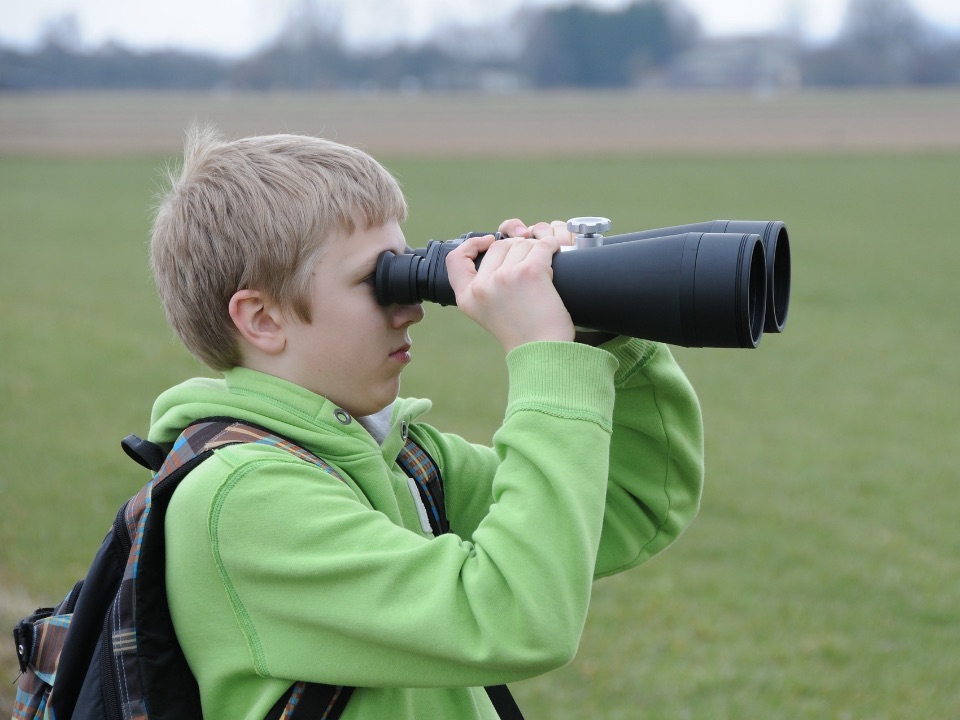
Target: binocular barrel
{"type": "Point", "coordinates": [776, 245]}
{"type": "Point", "coordinates": [694, 289]}
{"type": "Point", "coordinates": [690, 289]}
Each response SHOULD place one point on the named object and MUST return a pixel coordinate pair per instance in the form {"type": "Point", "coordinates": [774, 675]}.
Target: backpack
{"type": "Point", "coordinates": [109, 650]}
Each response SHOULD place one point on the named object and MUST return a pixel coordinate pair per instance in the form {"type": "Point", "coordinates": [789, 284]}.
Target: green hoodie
{"type": "Point", "coordinates": [278, 571]}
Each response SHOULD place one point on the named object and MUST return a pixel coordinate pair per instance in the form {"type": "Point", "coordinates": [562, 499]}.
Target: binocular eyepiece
{"type": "Point", "coordinates": [720, 283]}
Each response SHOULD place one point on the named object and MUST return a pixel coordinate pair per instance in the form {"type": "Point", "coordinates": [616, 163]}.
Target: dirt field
{"type": "Point", "coordinates": [509, 124]}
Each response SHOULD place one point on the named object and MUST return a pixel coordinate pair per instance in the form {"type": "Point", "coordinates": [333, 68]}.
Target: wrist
{"type": "Point", "coordinates": [561, 378]}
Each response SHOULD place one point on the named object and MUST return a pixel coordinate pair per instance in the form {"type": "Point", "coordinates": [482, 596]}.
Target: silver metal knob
{"type": "Point", "coordinates": [588, 231]}
{"type": "Point", "coordinates": [589, 225]}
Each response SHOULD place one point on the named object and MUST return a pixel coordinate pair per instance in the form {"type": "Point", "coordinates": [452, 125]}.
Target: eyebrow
{"type": "Point", "coordinates": [406, 249]}
{"type": "Point", "coordinates": [368, 265]}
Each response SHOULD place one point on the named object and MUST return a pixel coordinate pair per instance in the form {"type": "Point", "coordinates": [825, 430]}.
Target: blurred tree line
{"type": "Point", "coordinates": [884, 42]}
{"type": "Point", "coordinates": [881, 42]}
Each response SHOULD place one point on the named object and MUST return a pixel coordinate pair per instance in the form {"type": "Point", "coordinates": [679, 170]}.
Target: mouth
{"type": "Point", "coordinates": [402, 354]}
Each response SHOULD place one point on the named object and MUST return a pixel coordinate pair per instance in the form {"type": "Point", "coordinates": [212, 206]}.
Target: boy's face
{"type": "Point", "coordinates": [354, 349]}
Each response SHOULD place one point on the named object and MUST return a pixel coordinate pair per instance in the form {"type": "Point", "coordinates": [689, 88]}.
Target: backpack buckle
{"type": "Point", "coordinates": [23, 638]}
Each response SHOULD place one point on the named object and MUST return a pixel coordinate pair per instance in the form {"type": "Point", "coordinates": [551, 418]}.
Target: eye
{"type": "Point", "coordinates": [370, 279]}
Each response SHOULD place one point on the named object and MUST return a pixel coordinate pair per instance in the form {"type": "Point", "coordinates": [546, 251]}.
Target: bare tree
{"type": "Point", "coordinates": [310, 22]}
{"type": "Point", "coordinates": [62, 32]}
{"type": "Point", "coordinates": [885, 38]}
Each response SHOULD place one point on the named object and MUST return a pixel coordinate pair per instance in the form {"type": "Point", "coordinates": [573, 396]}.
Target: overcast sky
{"type": "Point", "coordinates": [234, 27]}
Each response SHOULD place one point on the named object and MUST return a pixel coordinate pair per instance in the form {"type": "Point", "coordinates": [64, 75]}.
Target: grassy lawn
{"type": "Point", "coordinates": [822, 578]}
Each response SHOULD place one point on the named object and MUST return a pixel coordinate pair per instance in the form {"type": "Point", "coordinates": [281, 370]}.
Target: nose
{"type": "Point", "coordinates": [402, 315]}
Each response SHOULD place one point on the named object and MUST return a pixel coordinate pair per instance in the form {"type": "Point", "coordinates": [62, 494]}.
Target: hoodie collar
{"type": "Point", "coordinates": [288, 409]}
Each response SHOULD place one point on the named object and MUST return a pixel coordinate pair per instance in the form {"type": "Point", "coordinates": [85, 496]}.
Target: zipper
{"type": "Point", "coordinates": [112, 705]}
{"type": "Point", "coordinates": [108, 678]}
{"type": "Point", "coordinates": [70, 602]}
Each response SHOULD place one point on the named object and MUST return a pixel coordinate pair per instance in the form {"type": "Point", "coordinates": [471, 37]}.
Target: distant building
{"type": "Point", "coordinates": [767, 62]}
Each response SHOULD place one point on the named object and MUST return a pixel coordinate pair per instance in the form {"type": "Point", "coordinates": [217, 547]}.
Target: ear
{"type": "Point", "coordinates": [259, 321]}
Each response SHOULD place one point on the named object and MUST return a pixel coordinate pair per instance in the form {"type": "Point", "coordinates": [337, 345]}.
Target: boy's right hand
{"type": "Point", "coordinates": [511, 294]}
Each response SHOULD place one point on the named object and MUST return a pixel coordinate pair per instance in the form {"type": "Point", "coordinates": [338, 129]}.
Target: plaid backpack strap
{"type": "Point", "coordinates": [315, 701]}
{"type": "Point", "coordinates": [417, 464]}
{"type": "Point", "coordinates": [138, 622]}
{"type": "Point", "coordinates": [39, 639]}
{"type": "Point", "coordinates": [208, 435]}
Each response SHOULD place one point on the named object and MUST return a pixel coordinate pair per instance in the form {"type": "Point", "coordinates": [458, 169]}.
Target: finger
{"type": "Point", "coordinates": [516, 251]}
{"type": "Point", "coordinates": [556, 228]}
{"type": "Point", "coordinates": [541, 230]}
{"type": "Point", "coordinates": [560, 231]}
{"type": "Point", "coordinates": [543, 250]}
{"type": "Point", "coordinates": [508, 251]}
{"type": "Point", "coordinates": [461, 261]}
{"type": "Point", "coordinates": [513, 227]}
{"type": "Point", "coordinates": [473, 247]}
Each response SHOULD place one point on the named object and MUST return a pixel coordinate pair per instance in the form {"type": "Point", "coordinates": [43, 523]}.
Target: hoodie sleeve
{"type": "Point", "coordinates": [654, 461]}
{"type": "Point", "coordinates": [656, 456]}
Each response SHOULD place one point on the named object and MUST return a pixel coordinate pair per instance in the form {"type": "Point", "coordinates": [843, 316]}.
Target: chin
{"type": "Point", "coordinates": [378, 405]}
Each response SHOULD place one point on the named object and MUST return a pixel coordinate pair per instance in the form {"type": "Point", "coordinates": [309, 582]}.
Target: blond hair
{"type": "Point", "coordinates": [256, 213]}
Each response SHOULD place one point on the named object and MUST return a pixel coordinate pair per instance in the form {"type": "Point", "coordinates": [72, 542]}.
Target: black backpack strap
{"type": "Point", "coordinates": [148, 454]}
{"type": "Point", "coordinates": [503, 702]}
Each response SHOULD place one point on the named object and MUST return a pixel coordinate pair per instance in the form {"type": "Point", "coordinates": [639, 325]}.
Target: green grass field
{"type": "Point", "coordinates": [822, 578]}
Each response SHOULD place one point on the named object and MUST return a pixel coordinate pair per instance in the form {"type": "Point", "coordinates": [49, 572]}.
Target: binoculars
{"type": "Point", "coordinates": [720, 283]}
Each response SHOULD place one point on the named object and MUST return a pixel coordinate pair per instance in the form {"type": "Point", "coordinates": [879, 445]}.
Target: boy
{"type": "Point", "coordinates": [264, 251]}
